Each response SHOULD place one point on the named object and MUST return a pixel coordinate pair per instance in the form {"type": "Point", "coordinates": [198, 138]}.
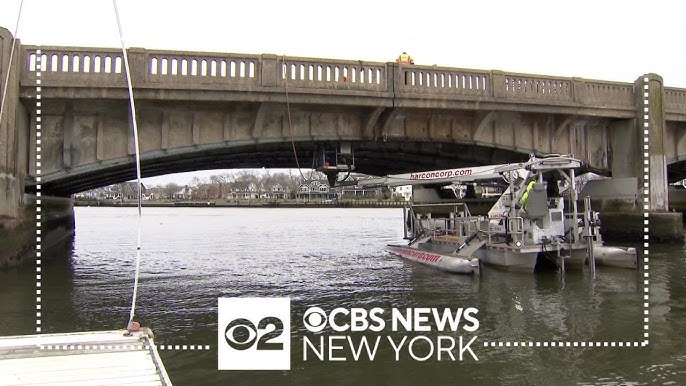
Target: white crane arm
{"type": "Point", "coordinates": [470, 174]}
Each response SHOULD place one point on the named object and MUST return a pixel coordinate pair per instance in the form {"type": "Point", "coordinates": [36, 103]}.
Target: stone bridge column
{"type": "Point", "coordinates": [622, 216]}
{"type": "Point", "coordinates": [17, 209]}
{"type": "Point", "coordinates": [657, 182]}
{"type": "Point", "coordinates": [11, 177]}
{"type": "Point", "coordinates": [651, 120]}
{"type": "Point", "coordinates": [17, 217]}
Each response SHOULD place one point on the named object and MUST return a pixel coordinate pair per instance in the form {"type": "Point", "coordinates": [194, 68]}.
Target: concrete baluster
{"type": "Point", "coordinates": [579, 90]}
{"type": "Point", "coordinates": [498, 84]}
{"type": "Point", "coordinates": [268, 68]}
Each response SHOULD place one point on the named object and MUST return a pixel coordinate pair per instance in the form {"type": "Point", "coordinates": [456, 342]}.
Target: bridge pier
{"type": "Point", "coordinates": [16, 217]}
{"type": "Point", "coordinates": [14, 132]}
{"type": "Point", "coordinates": [18, 214]}
{"type": "Point", "coordinates": [18, 235]}
{"type": "Point", "coordinates": [621, 209]}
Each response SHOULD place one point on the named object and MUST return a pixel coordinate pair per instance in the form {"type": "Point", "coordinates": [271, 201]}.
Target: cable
{"type": "Point", "coordinates": [9, 68]}
{"type": "Point", "coordinates": [288, 113]}
{"type": "Point", "coordinates": [138, 165]}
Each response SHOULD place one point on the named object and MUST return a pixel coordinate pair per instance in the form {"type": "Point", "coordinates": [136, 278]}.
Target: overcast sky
{"type": "Point", "coordinates": [609, 40]}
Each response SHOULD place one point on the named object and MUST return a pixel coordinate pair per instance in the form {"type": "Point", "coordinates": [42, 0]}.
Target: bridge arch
{"type": "Point", "coordinates": [88, 143]}
{"type": "Point", "coordinates": [376, 158]}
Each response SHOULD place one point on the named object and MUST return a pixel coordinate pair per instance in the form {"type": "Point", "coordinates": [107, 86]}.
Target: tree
{"type": "Point", "coordinates": [288, 181]}
{"type": "Point", "coordinates": [200, 189]}
{"type": "Point", "coordinates": [170, 189]}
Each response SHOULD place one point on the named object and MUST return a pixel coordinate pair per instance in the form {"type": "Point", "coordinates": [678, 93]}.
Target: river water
{"type": "Point", "coordinates": [334, 257]}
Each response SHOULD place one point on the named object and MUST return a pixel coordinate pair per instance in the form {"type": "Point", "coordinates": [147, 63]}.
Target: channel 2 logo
{"type": "Point", "coordinates": [254, 334]}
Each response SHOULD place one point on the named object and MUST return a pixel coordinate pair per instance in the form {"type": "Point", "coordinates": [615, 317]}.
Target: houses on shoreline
{"type": "Point", "coordinates": [313, 189]}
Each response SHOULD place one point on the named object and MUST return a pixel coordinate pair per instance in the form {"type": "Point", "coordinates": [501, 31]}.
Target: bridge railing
{"type": "Point", "coordinates": [323, 74]}
{"type": "Point", "coordinates": [532, 87]}
{"type": "Point", "coordinates": [597, 92]}
{"type": "Point", "coordinates": [442, 82]}
{"type": "Point", "coordinates": [675, 100]}
{"type": "Point", "coordinates": [166, 69]}
{"type": "Point", "coordinates": [77, 67]}
{"type": "Point", "coordinates": [70, 66]}
{"type": "Point", "coordinates": [93, 67]}
{"type": "Point", "coordinates": [452, 83]}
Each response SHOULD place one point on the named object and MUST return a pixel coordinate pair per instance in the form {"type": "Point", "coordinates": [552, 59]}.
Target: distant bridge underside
{"type": "Point", "coordinates": [675, 153]}
{"type": "Point", "coordinates": [88, 143]}
{"type": "Point", "coordinates": [371, 157]}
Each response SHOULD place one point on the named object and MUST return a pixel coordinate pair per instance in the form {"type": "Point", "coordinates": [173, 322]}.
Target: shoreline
{"type": "Point", "coordinates": [227, 204]}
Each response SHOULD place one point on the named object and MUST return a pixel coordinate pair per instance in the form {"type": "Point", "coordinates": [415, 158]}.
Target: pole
{"type": "Point", "coordinates": [588, 233]}
{"type": "Point", "coordinates": [575, 208]}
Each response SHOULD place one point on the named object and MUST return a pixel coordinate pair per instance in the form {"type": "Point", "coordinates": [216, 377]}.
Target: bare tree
{"type": "Point", "coordinates": [288, 181]}
{"type": "Point", "coordinates": [170, 189]}
{"type": "Point", "coordinates": [200, 189]}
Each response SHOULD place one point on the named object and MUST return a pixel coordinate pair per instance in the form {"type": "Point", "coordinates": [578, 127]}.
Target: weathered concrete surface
{"type": "Point", "coordinates": [14, 132]}
{"type": "Point", "coordinates": [621, 210]}
{"type": "Point", "coordinates": [17, 238]}
{"type": "Point", "coordinates": [613, 194]}
{"type": "Point", "coordinates": [18, 235]}
{"type": "Point", "coordinates": [88, 143]}
{"type": "Point", "coordinates": [621, 200]}
{"type": "Point", "coordinates": [17, 216]}
{"type": "Point", "coordinates": [657, 172]}
{"type": "Point", "coordinates": [666, 227]}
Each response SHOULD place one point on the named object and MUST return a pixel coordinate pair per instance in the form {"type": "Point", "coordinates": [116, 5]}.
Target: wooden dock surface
{"type": "Point", "coordinates": [84, 358]}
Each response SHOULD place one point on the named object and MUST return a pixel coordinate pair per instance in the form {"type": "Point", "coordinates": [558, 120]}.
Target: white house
{"type": "Point", "coordinates": [184, 194]}
{"type": "Point", "coordinates": [404, 191]}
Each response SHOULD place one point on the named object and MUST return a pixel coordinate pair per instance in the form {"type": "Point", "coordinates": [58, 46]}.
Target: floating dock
{"type": "Point", "coordinates": [83, 358]}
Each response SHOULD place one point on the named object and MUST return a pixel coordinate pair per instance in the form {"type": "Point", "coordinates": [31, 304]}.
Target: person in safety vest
{"type": "Point", "coordinates": [525, 196]}
{"type": "Point", "coordinates": [404, 58]}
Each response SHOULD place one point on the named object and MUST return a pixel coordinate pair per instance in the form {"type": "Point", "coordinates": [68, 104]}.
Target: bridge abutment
{"type": "Point", "coordinates": [17, 221]}
{"type": "Point", "coordinates": [14, 131]}
{"type": "Point", "coordinates": [18, 236]}
{"type": "Point", "coordinates": [18, 215]}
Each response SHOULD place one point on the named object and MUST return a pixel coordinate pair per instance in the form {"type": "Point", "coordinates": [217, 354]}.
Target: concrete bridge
{"type": "Point", "coordinates": [219, 110]}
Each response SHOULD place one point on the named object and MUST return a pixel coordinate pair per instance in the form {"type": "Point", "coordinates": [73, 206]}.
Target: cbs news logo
{"type": "Point", "coordinates": [254, 334]}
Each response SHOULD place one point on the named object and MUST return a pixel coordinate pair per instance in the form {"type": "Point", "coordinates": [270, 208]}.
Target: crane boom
{"type": "Point", "coordinates": [470, 174]}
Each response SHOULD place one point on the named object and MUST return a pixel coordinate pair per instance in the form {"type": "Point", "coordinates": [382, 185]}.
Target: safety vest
{"type": "Point", "coordinates": [404, 58]}
{"type": "Point", "coordinates": [525, 196]}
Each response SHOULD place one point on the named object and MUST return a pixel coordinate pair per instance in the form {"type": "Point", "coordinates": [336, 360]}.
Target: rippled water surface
{"type": "Point", "coordinates": [335, 258]}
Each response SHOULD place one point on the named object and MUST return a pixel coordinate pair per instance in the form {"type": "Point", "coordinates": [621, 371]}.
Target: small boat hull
{"type": "Point", "coordinates": [512, 259]}
{"type": "Point", "coordinates": [605, 256]}
{"type": "Point", "coordinates": [620, 257]}
{"type": "Point", "coordinates": [443, 262]}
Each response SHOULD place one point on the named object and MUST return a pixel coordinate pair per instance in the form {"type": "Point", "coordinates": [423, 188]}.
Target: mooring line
{"type": "Point", "coordinates": [138, 164]}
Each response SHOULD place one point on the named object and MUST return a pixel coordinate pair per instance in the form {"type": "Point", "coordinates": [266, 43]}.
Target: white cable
{"type": "Point", "coordinates": [9, 68]}
{"type": "Point", "coordinates": [138, 163]}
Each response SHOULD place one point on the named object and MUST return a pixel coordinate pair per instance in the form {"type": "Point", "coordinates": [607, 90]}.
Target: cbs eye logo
{"type": "Point", "coordinates": [315, 319]}
{"type": "Point", "coordinates": [241, 334]}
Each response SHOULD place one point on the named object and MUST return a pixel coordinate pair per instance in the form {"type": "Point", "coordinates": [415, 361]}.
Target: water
{"type": "Point", "coordinates": [334, 258]}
